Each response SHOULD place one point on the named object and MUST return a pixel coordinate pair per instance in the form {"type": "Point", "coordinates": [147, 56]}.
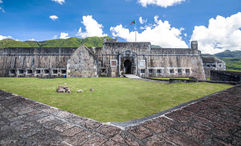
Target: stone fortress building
{"type": "Point", "coordinates": [114, 59]}
{"type": "Point", "coordinates": [212, 63]}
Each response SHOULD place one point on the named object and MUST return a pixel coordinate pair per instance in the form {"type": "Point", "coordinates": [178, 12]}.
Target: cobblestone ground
{"type": "Point", "coordinates": [215, 120]}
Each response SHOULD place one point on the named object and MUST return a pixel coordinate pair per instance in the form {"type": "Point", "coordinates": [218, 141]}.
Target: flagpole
{"type": "Point", "coordinates": [135, 33]}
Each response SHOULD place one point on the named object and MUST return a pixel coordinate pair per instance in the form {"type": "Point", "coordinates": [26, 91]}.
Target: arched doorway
{"type": "Point", "coordinates": [127, 66]}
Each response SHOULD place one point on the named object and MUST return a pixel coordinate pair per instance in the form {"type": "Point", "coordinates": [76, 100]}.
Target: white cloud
{"type": "Point", "coordinates": [92, 27]}
{"type": "Point", "coordinates": [4, 37]}
{"type": "Point", "coordinates": [161, 33]}
{"type": "Point", "coordinates": [220, 35]}
{"type": "Point", "coordinates": [53, 17]}
{"type": "Point", "coordinates": [142, 21]}
{"type": "Point", "coordinates": [1, 1]}
{"type": "Point", "coordinates": [161, 3]}
{"type": "Point", "coordinates": [61, 2]}
{"type": "Point", "coordinates": [32, 39]}
{"type": "Point", "coordinates": [64, 35]}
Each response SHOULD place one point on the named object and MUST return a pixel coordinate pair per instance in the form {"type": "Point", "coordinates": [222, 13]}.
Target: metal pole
{"type": "Point", "coordinates": [135, 34]}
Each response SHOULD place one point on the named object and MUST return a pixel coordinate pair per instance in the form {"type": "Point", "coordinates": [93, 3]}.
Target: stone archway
{"type": "Point", "coordinates": [127, 67]}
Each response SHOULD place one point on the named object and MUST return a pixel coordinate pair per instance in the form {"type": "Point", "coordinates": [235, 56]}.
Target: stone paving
{"type": "Point", "coordinates": [215, 120]}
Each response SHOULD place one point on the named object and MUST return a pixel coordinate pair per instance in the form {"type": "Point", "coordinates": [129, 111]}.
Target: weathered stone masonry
{"type": "Point", "coordinates": [120, 58]}
{"type": "Point", "coordinates": [38, 62]}
{"type": "Point", "coordinates": [113, 60]}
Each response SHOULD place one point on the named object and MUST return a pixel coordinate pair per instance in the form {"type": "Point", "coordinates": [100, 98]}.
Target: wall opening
{"type": "Point", "coordinates": [127, 67]}
{"type": "Point", "coordinates": [46, 71]}
{"type": "Point", "coordinates": [21, 71]}
{"type": "Point", "coordinates": [179, 71]}
{"type": "Point", "coordinates": [188, 71]}
{"type": "Point", "coordinates": [12, 71]}
{"type": "Point", "coordinates": [55, 71]}
{"type": "Point", "coordinates": [63, 71]}
{"type": "Point", "coordinates": [29, 71]}
{"type": "Point", "coordinates": [38, 71]}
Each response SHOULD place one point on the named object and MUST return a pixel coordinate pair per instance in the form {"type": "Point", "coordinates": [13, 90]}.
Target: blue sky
{"type": "Point", "coordinates": [30, 19]}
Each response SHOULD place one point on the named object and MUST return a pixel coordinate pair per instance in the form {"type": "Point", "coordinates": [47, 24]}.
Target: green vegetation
{"type": "Point", "coordinates": [71, 42]}
{"type": "Point", "coordinates": [232, 59]}
{"type": "Point", "coordinates": [113, 99]}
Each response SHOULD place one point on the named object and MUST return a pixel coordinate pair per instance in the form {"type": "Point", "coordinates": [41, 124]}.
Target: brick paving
{"type": "Point", "coordinates": [215, 120]}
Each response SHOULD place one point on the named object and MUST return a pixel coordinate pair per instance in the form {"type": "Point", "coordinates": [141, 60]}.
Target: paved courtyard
{"type": "Point", "coordinates": [214, 120]}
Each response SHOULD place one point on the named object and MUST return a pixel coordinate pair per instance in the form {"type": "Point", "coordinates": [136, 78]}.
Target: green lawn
{"type": "Point", "coordinates": [114, 99]}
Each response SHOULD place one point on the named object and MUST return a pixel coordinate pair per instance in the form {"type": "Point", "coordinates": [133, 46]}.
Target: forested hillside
{"type": "Point", "coordinates": [71, 42]}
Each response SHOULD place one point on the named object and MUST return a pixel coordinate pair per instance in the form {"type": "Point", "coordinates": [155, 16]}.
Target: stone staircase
{"type": "Point", "coordinates": [131, 76]}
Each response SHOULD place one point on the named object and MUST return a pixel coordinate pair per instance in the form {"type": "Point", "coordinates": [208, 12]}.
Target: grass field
{"type": "Point", "coordinates": [113, 99]}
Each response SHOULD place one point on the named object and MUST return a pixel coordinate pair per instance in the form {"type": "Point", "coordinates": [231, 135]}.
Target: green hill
{"type": "Point", "coordinates": [232, 59]}
{"type": "Point", "coordinates": [12, 43]}
{"type": "Point", "coordinates": [71, 42]}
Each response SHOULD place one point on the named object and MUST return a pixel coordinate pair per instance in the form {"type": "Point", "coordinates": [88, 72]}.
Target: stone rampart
{"type": "Point", "coordinates": [225, 76]}
{"type": "Point", "coordinates": [82, 63]}
{"type": "Point", "coordinates": [39, 62]}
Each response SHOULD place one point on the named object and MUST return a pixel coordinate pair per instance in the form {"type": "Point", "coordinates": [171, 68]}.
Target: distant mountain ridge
{"type": "Point", "coordinates": [70, 42]}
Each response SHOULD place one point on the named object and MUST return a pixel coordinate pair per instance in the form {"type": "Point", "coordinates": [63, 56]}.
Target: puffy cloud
{"type": "Point", "coordinates": [220, 35]}
{"type": "Point", "coordinates": [142, 21]}
{"type": "Point", "coordinates": [64, 35]}
{"type": "Point", "coordinates": [53, 17]}
{"type": "Point", "coordinates": [1, 1]}
{"type": "Point", "coordinates": [4, 37]}
{"type": "Point", "coordinates": [92, 27]}
{"type": "Point", "coordinates": [162, 3]}
{"type": "Point", "coordinates": [161, 33]}
{"type": "Point", "coordinates": [32, 39]}
{"type": "Point", "coordinates": [61, 2]}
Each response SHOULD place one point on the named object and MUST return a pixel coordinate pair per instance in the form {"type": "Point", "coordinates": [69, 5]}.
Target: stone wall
{"type": "Point", "coordinates": [109, 61]}
{"type": "Point", "coordinates": [225, 76]}
{"type": "Point", "coordinates": [158, 62]}
{"type": "Point", "coordinates": [39, 62]}
{"type": "Point", "coordinates": [212, 63]}
{"type": "Point", "coordinates": [82, 63]}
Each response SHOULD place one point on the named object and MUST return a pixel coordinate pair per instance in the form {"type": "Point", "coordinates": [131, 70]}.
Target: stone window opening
{"type": "Point", "coordinates": [21, 71]}
{"type": "Point", "coordinates": [46, 71]}
{"type": "Point", "coordinates": [208, 65]}
{"type": "Point", "coordinates": [38, 71]}
{"type": "Point", "coordinates": [143, 71]}
{"type": "Point", "coordinates": [150, 71]}
{"type": "Point", "coordinates": [55, 71]}
{"type": "Point", "coordinates": [172, 71]}
{"type": "Point", "coordinates": [187, 71]}
{"type": "Point", "coordinates": [179, 71]}
{"type": "Point", "coordinates": [103, 70]}
{"type": "Point", "coordinates": [63, 71]}
{"type": "Point", "coordinates": [29, 71]}
{"type": "Point", "coordinates": [158, 71]}
{"type": "Point", "coordinates": [12, 71]}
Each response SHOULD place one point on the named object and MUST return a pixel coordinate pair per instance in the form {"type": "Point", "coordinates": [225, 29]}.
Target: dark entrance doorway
{"type": "Point", "coordinates": [127, 66]}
